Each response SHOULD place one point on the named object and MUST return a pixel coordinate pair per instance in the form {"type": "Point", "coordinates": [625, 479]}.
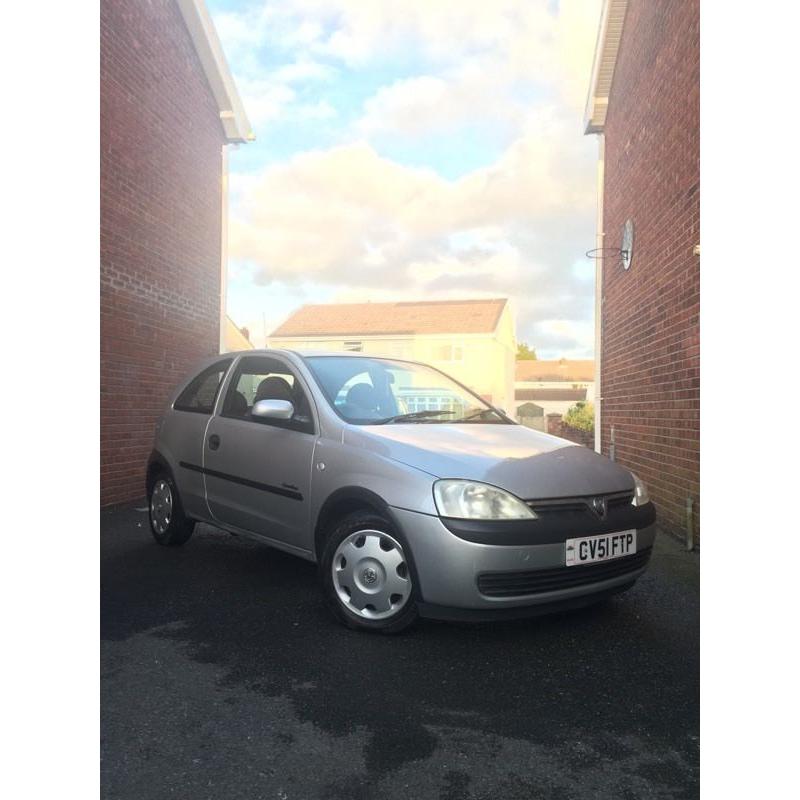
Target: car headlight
{"type": "Point", "coordinates": [640, 494]}
{"type": "Point", "coordinates": [471, 500]}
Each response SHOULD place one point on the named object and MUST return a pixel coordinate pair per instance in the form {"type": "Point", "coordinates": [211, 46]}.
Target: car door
{"type": "Point", "coordinates": [258, 471]}
{"type": "Point", "coordinates": [181, 434]}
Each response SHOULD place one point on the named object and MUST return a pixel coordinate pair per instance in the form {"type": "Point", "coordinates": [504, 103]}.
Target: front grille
{"type": "Point", "coordinates": [513, 584]}
{"type": "Point", "coordinates": [573, 517]}
{"type": "Point", "coordinates": [578, 505]}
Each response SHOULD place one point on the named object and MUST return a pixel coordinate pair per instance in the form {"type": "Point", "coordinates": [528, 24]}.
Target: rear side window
{"type": "Point", "coordinates": [201, 393]}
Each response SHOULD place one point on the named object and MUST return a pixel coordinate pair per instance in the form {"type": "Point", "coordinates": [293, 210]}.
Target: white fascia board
{"type": "Point", "coordinates": [209, 50]}
{"type": "Point", "coordinates": [606, 49]}
{"type": "Point", "coordinates": [588, 114]}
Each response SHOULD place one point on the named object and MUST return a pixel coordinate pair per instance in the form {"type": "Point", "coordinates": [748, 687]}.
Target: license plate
{"type": "Point", "coordinates": [605, 547]}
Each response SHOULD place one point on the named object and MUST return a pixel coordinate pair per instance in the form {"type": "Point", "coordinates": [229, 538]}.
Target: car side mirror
{"type": "Point", "coordinates": [273, 409]}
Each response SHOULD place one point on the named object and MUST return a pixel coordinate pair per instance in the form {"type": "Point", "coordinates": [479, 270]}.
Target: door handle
{"type": "Point", "coordinates": [213, 442]}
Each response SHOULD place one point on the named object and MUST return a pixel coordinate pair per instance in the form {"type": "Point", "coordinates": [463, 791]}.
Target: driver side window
{"type": "Point", "coordinates": [262, 378]}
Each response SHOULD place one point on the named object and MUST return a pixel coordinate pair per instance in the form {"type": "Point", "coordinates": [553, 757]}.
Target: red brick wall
{"type": "Point", "coordinates": [160, 139]}
{"type": "Point", "coordinates": [650, 377]}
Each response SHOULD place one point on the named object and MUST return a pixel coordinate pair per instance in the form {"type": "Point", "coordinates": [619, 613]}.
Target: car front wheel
{"type": "Point", "coordinates": [366, 575]}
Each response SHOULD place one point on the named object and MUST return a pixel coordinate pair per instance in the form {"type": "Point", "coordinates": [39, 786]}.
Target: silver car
{"type": "Point", "coordinates": [412, 494]}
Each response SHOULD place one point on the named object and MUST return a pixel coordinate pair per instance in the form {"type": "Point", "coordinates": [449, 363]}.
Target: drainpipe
{"type": "Point", "coordinates": [598, 295]}
{"type": "Point", "coordinates": [689, 523]}
{"type": "Point", "coordinates": [223, 266]}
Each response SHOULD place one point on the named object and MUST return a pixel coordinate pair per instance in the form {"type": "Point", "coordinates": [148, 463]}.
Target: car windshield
{"type": "Point", "coordinates": [374, 391]}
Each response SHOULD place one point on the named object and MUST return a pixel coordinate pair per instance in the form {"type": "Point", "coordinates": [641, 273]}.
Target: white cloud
{"type": "Point", "coordinates": [265, 99]}
{"type": "Point", "coordinates": [533, 40]}
{"type": "Point", "coordinates": [361, 226]}
{"type": "Point", "coordinates": [472, 94]}
{"type": "Point", "coordinates": [268, 99]}
{"type": "Point", "coordinates": [444, 29]}
{"type": "Point", "coordinates": [324, 213]}
{"type": "Point", "coordinates": [402, 105]}
{"type": "Point", "coordinates": [304, 70]}
{"type": "Point", "coordinates": [530, 39]}
{"type": "Point", "coordinates": [245, 32]}
{"type": "Point", "coordinates": [570, 338]}
{"type": "Point", "coordinates": [347, 217]}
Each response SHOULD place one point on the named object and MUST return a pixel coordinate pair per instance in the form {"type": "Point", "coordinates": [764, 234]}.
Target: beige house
{"type": "Point", "coordinates": [551, 387]}
{"type": "Point", "coordinates": [471, 340]}
{"type": "Point", "coordinates": [235, 338]}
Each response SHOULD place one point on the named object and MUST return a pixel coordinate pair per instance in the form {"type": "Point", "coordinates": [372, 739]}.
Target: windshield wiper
{"type": "Point", "coordinates": [478, 414]}
{"type": "Point", "coordinates": [414, 415]}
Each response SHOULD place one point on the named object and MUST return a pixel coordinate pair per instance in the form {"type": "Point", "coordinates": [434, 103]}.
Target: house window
{"type": "Point", "coordinates": [449, 352]}
{"type": "Point", "coordinates": [420, 400]}
{"type": "Point", "coordinates": [353, 347]}
{"type": "Point", "coordinates": [395, 349]}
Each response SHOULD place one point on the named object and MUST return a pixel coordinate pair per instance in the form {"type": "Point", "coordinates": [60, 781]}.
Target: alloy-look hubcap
{"type": "Point", "coordinates": [370, 574]}
{"type": "Point", "coordinates": [161, 506]}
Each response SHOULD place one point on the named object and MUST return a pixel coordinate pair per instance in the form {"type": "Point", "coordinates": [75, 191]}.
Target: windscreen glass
{"type": "Point", "coordinates": [370, 391]}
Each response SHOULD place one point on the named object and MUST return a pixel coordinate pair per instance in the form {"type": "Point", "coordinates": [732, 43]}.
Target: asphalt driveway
{"type": "Point", "coordinates": [223, 676]}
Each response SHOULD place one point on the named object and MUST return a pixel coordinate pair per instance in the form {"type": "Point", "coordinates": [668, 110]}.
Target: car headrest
{"type": "Point", "coordinates": [362, 395]}
{"type": "Point", "coordinates": [274, 388]}
{"type": "Point", "coordinates": [237, 405]}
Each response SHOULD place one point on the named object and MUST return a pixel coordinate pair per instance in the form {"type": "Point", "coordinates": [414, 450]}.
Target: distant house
{"type": "Point", "coordinates": [471, 340]}
{"type": "Point", "coordinates": [551, 387]}
{"type": "Point", "coordinates": [236, 338]}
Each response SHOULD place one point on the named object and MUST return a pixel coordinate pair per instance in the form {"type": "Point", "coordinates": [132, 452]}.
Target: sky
{"type": "Point", "coordinates": [414, 150]}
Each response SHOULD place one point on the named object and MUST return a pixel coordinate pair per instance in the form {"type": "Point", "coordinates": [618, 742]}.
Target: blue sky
{"type": "Point", "coordinates": [408, 149]}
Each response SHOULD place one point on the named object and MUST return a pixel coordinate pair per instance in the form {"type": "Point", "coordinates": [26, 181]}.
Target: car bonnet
{"type": "Point", "coordinates": [525, 462]}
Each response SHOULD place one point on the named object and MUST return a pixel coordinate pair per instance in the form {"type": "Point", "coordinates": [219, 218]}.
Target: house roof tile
{"type": "Point", "coordinates": [550, 394]}
{"type": "Point", "coordinates": [388, 319]}
{"type": "Point", "coordinates": [561, 370]}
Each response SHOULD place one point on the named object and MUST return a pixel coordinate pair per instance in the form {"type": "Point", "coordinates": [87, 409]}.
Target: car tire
{"type": "Point", "coordinates": [366, 558]}
{"type": "Point", "coordinates": [168, 524]}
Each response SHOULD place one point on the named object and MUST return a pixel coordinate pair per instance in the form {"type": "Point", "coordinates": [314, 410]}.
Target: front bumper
{"type": "Point", "coordinates": [447, 569]}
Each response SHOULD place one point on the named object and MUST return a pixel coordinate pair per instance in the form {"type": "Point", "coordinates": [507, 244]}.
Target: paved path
{"type": "Point", "coordinates": [225, 677]}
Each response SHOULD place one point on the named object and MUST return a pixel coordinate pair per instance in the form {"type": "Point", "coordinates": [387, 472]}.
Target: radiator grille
{"type": "Point", "coordinates": [579, 505]}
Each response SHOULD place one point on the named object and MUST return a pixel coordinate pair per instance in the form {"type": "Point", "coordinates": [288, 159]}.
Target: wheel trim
{"type": "Point", "coordinates": [161, 506]}
{"type": "Point", "coordinates": [370, 575]}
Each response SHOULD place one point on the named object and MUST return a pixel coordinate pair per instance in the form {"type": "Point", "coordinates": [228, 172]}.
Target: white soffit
{"type": "Point", "coordinates": [612, 19]}
{"type": "Point", "coordinates": [209, 51]}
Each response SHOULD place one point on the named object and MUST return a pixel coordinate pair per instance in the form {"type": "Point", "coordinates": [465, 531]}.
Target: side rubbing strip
{"type": "Point", "coordinates": [264, 487]}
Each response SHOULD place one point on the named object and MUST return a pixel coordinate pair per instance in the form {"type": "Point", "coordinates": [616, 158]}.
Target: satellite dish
{"type": "Point", "coordinates": [624, 251]}
{"type": "Point", "coordinates": [626, 248]}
